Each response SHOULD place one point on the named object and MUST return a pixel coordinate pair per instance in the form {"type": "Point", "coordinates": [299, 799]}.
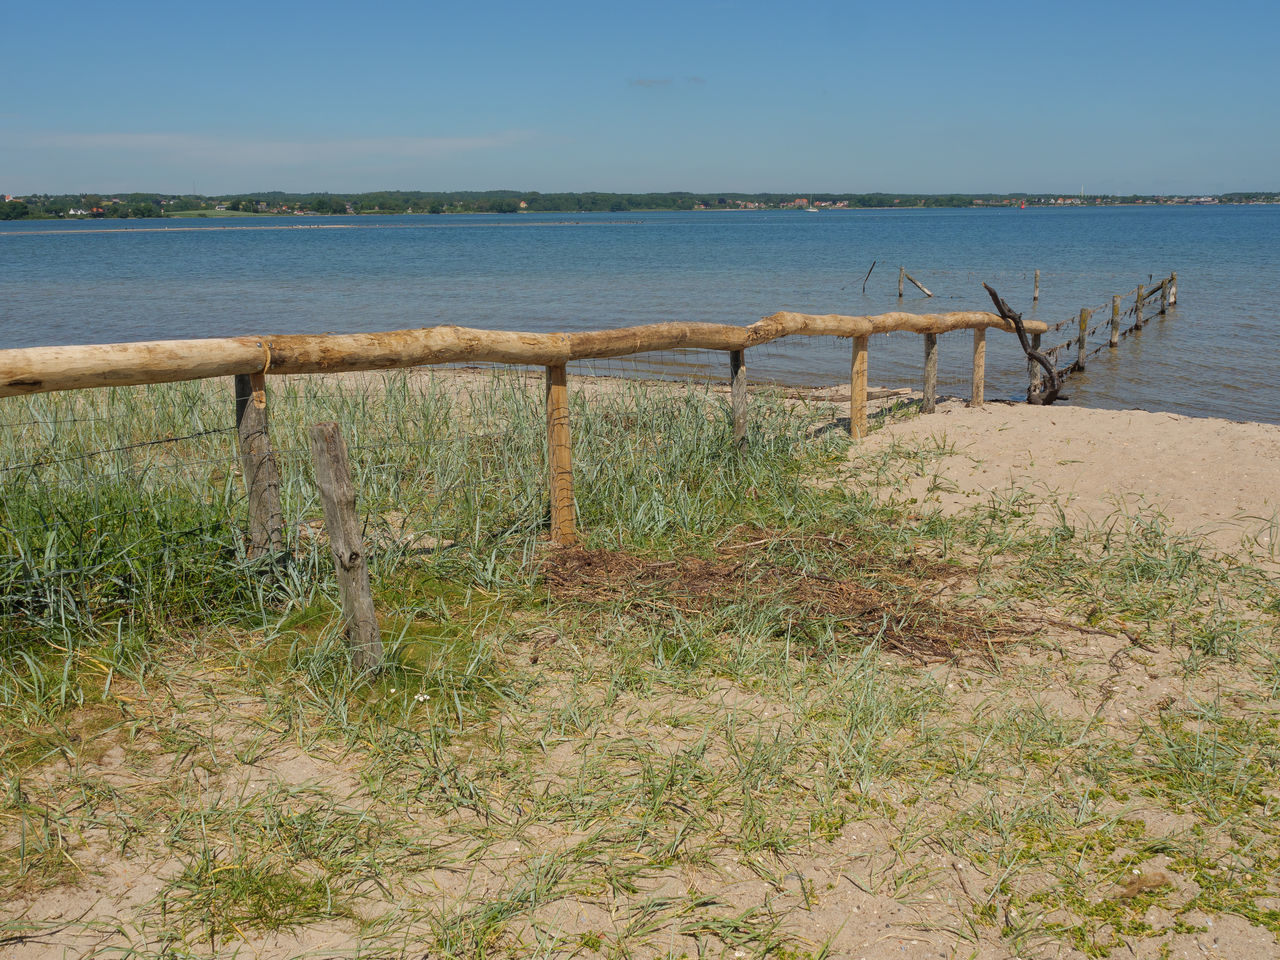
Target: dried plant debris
{"type": "Point", "coordinates": [895, 614]}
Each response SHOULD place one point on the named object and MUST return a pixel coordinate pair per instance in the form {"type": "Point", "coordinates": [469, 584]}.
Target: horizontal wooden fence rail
{"type": "Point", "coordinates": [43, 369]}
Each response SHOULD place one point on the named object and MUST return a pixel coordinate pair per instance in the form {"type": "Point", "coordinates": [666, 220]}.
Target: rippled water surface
{"type": "Point", "coordinates": [1214, 354]}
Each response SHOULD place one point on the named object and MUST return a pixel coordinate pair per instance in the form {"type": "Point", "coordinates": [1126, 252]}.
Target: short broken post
{"type": "Point", "coordinates": [1115, 321]}
{"type": "Point", "coordinates": [338, 498]}
{"type": "Point", "coordinates": [979, 366]}
{"type": "Point", "coordinates": [1140, 305]}
{"type": "Point", "coordinates": [902, 273]}
{"type": "Point", "coordinates": [1085, 314]}
{"type": "Point", "coordinates": [1173, 289]}
{"type": "Point", "coordinates": [258, 464]}
{"type": "Point", "coordinates": [560, 459]}
{"type": "Point", "coordinates": [858, 388]}
{"type": "Point", "coordinates": [738, 395]}
{"type": "Point", "coordinates": [930, 401]}
{"type": "Point", "coordinates": [1164, 297]}
{"type": "Point", "coordinates": [1035, 295]}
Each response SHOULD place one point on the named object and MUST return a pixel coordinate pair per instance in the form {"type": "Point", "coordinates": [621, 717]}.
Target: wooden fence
{"type": "Point", "coordinates": [250, 360]}
{"type": "Point", "coordinates": [1147, 302]}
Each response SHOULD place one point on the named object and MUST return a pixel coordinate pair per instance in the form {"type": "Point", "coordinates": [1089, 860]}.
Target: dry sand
{"type": "Point", "coordinates": [1215, 479]}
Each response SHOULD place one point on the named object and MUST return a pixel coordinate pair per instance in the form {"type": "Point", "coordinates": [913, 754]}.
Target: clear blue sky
{"type": "Point", "coordinates": [734, 95]}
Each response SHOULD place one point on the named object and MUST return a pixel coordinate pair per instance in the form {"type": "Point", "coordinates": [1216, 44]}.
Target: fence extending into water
{"type": "Point", "coordinates": [1148, 302]}
{"type": "Point", "coordinates": [251, 360]}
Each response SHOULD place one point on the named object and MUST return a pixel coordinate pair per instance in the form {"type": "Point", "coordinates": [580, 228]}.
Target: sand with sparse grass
{"type": "Point", "coordinates": [1217, 480]}
{"type": "Point", "coordinates": [991, 683]}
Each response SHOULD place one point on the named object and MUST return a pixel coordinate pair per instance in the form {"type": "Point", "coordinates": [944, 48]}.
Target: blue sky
{"type": "Point", "coordinates": [732, 95]}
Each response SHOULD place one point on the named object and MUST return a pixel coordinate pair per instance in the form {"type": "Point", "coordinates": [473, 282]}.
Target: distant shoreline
{"type": "Point", "coordinates": [123, 222]}
{"type": "Point", "coordinates": [300, 226]}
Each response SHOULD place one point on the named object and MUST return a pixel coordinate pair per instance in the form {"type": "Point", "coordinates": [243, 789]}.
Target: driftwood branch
{"type": "Point", "coordinates": [1053, 391]}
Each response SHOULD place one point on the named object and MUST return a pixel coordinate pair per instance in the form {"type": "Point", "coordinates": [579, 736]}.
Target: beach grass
{"type": "Point", "coordinates": [761, 711]}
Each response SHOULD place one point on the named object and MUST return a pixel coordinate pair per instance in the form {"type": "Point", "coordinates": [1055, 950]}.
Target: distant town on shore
{"type": "Point", "coordinates": [89, 205]}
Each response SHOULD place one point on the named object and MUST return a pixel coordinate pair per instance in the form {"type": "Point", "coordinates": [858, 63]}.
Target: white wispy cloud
{"type": "Point", "coordinates": [255, 151]}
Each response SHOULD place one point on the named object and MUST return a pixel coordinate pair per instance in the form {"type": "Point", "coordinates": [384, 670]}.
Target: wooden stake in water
{"type": "Point", "coordinates": [919, 286]}
{"type": "Point", "coordinates": [930, 402]}
{"type": "Point", "coordinates": [1036, 293]}
{"type": "Point", "coordinates": [858, 388]}
{"type": "Point", "coordinates": [1085, 314]}
{"type": "Point", "coordinates": [1115, 321]}
{"type": "Point", "coordinates": [560, 459]}
{"type": "Point", "coordinates": [979, 367]}
{"type": "Point", "coordinates": [738, 395]}
{"type": "Point", "coordinates": [902, 273]}
{"type": "Point", "coordinates": [258, 463]}
{"type": "Point", "coordinates": [338, 498]}
{"type": "Point", "coordinates": [1164, 297]}
{"type": "Point", "coordinates": [1140, 303]}
{"type": "Point", "coordinates": [1173, 288]}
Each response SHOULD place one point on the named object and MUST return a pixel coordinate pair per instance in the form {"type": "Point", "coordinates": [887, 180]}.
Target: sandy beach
{"type": "Point", "coordinates": [1214, 479]}
{"type": "Point", "coordinates": [1067, 781]}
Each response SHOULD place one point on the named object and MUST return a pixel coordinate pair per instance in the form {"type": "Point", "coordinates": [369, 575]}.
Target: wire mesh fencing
{"type": "Point", "coordinates": [1111, 323]}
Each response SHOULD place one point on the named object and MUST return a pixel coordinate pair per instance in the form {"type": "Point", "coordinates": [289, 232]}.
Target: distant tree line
{"type": "Point", "coordinates": [508, 201]}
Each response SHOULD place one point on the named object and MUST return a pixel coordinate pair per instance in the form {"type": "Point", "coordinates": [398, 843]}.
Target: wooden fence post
{"type": "Point", "coordinates": [1141, 304]}
{"type": "Point", "coordinates": [1115, 321]}
{"type": "Point", "coordinates": [979, 366]}
{"type": "Point", "coordinates": [738, 395]}
{"type": "Point", "coordinates": [560, 459]}
{"type": "Point", "coordinates": [902, 273]}
{"type": "Point", "coordinates": [258, 463]}
{"type": "Point", "coordinates": [338, 497]}
{"type": "Point", "coordinates": [1085, 314]}
{"type": "Point", "coordinates": [1034, 372]}
{"type": "Point", "coordinates": [1164, 297]}
{"type": "Point", "coordinates": [1036, 294]}
{"type": "Point", "coordinates": [930, 402]}
{"type": "Point", "coordinates": [858, 388]}
{"type": "Point", "coordinates": [1173, 289]}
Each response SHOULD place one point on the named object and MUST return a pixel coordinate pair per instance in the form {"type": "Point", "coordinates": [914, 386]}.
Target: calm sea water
{"type": "Point", "coordinates": [1215, 354]}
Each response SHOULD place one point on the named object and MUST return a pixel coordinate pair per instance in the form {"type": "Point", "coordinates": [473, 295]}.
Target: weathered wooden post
{"type": "Point", "coordinates": [1164, 296]}
{"type": "Point", "coordinates": [930, 402]}
{"type": "Point", "coordinates": [918, 285]}
{"type": "Point", "coordinates": [258, 463]}
{"type": "Point", "coordinates": [1173, 289]}
{"type": "Point", "coordinates": [979, 366]}
{"type": "Point", "coordinates": [1115, 321]}
{"type": "Point", "coordinates": [738, 395]}
{"type": "Point", "coordinates": [1036, 293]}
{"type": "Point", "coordinates": [1034, 372]}
{"type": "Point", "coordinates": [902, 274]}
{"type": "Point", "coordinates": [1140, 306]}
{"type": "Point", "coordinates": [560, 459]}
{"type": "Point", "coordinates": [1085, 314]}
{"type": "Point", "coordinates": [338, 498]}
{"type": "Point", "coordinates": [858, 388]}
